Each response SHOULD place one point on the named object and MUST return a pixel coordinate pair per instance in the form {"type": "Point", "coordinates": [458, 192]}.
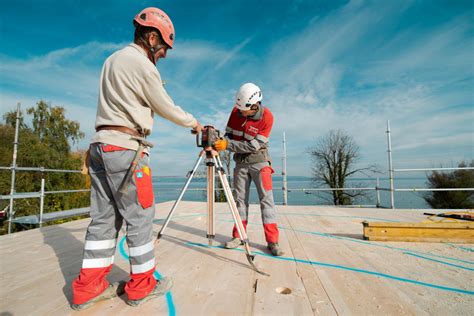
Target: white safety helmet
{"type": "Point", "coordinates": [248, 95]}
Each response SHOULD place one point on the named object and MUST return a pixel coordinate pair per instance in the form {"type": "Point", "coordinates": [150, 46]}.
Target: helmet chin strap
{"type": "Point", "coordinates": [152, 49]}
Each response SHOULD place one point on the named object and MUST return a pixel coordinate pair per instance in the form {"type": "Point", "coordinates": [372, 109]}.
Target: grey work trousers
{"type": "Point", "coordinates": [109, 209]}
{"type": "Point", "coordinates": [261, 174]}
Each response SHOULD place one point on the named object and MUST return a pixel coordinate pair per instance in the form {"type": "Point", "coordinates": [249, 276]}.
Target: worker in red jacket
{"type": "Point", "coordinates": [247, 135]}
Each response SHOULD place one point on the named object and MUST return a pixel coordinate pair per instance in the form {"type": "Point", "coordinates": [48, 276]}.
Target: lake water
{"type": "Point", "coordinates": [168, 189]}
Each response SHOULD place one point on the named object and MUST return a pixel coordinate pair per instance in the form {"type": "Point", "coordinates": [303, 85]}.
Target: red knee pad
{"type": "Point", "coordinates": [266, 176]}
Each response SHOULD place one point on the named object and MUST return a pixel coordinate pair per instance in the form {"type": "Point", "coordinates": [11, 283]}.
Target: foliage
{"type": "Point", "coordinates": [10, 119]}
{"type": "Point", "coordinates": [225, 158]}
{"type": "Point", "coordinates": [52, 127]}
{"type": "Point", "coordinates": [44, 144]}
{"type": "Point", "coordinates": [454, 179]}
{"type": "Point", "coordinates": [334, 158]}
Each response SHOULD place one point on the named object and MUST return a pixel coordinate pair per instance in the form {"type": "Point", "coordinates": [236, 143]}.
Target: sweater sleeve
{"type": "Point", "coordinates": [162, 104]}
{"type": "Point", "coordinates": [243, 146]}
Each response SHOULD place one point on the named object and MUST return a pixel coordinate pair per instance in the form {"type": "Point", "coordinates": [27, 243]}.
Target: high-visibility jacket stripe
{"type": "Point", "coordinates": [255, 144]}
{"type": "Point", "coordinates": [144, 267]}
{"type": "Point", "coordinates": [248, 137]}
{"type": "Point", "coordinates": [141, 250]}
{"type": "Point", "coordinates": [237, 133]}
{"type": "Point", "coordinates": [97, 263]}
{"type": "Point", "coordinates": [262, 138]}
{"type": "Point", "coordinates": [99, 244]}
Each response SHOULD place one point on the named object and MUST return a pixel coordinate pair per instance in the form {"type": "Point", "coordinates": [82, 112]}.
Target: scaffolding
{"type": "Point", "coordinates": [40, 218]}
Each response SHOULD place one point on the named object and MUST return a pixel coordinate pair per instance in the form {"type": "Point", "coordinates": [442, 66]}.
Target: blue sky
{"type": "Point", "coordinates": [322, 65]}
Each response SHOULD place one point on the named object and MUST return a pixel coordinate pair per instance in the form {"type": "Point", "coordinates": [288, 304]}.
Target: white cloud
{"type": "Point", "coordinates": [326, 83]}
{"type": "Point", "coordinates": [337, 73]}
{"type": "Point", "coordinates": [232, 53]}
{"type": "Point", "coordinates": [196, 51]}
{"type": "Point", "coordinates": [72, 72]}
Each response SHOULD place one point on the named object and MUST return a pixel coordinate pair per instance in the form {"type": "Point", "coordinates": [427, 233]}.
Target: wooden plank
{"type": "Point", "coordinates": [317, 295]}
{"type": "Point", "coordinates": [365, 294]}
{"type": "Point", "coordinates": [207, 280]}
{"type": "Point", "coordinates": [283, 292]}
{"type": "Point", "coordinates": [351, 292]}
{"type": "Point", "coordinates": [37, 267]}
{"type": "Point", "coordinates": [444, 225]}
{"type": "Point", "coordinates": [419, 232]}
{"type": "Point", "coordinates": [420, 239]}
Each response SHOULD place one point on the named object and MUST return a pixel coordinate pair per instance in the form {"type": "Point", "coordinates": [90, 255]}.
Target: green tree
{"type": "Point", "coordinates": [52, 127]}
{"type": "Point", "coordinates": [10, 119]}
{"type": "Point", "coordinates": [454, 179]}
{"type": "Point", "coordinates": [45, 144]}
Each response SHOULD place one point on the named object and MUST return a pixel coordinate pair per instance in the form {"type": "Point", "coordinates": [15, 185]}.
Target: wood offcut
{"type": "Point", "coordinates": [456, 232]}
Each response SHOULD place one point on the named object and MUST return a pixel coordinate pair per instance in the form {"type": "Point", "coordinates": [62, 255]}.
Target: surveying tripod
{"type": "Point", "coordinates": [213, 162]}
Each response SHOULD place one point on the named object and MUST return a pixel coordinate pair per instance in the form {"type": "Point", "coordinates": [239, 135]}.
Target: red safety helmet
{"type": "Point", "coordinates": [154, 17]}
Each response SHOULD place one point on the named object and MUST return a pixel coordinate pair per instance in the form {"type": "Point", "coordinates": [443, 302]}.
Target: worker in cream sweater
{"type": "Point", "coordinates": [130, 93]}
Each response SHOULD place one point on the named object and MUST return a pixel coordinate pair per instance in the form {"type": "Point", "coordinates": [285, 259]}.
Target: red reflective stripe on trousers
{"type": "Point", "coordinates": [271, 232]}
{"type": "Point", "coordinates": [140, 285]}
{"type": "Point", "coordinates": [235, 232]}
{"type": "Point", "coordinates": [266, 176]}
{"type": "Point", "coordinates": [90, 283]}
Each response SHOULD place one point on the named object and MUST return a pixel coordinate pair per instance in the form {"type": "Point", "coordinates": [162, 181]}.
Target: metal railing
{"type": "Point", "coordinates": [377, 203]}
{"type": "Point", "coordinates": [41, 194]}
{"type": "Point", "coordinates": [29, 195]}
{"type": "Point", "coordinates": [392, 171]}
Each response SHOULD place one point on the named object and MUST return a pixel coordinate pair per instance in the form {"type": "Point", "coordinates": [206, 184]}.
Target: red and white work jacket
{"type": "Point", "coordinates": [248, 136]}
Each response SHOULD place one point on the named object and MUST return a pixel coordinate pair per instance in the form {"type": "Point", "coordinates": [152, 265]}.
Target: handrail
{"type": "Point", "coordinates": [434, 169]}
{"type": "Point", "coordinates": [39, 169]}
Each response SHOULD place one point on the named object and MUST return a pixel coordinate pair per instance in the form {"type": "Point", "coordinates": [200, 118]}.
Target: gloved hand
{"type": "Point", "coordinates": [220, 144]}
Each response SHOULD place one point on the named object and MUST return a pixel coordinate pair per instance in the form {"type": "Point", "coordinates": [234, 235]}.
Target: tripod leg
{"type": "Point", "coordinates": [235, 214]}
{"type": "Point", "coordinates": [210, 201]}
{"type": "Point", "coordinates": [168, 218]}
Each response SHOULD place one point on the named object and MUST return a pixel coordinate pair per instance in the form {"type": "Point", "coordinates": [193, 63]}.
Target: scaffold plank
{"type": "Point", "coordinates": [458, 232]}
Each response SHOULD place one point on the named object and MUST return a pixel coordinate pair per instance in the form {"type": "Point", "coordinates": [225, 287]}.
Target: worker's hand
{"type": "Point", "coordinates": [211, 151]}
{"type": "Point", "coordinates": [197, 129]}
{"type": "Point", "coordinates": [220, 144]}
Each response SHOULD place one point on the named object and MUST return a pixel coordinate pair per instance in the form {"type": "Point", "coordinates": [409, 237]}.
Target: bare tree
{"type": "Point", "coordinates": [334, 157]}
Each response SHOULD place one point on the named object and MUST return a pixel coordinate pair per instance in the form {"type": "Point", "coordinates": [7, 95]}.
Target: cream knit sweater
{"type": "Point", "coordinates": [130, 92]}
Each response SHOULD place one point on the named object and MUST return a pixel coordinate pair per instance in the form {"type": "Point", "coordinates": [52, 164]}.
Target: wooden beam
{"type": "Point", "coordinates": [458, 232]}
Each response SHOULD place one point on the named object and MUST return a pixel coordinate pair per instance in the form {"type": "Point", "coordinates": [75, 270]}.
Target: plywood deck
{"type": "Point", "coordinates": [327, 266]}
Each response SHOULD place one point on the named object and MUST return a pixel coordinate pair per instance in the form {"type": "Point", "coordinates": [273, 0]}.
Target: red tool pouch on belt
{"type": "Point", "coordinates": [266, 176]}
{"type": "Point", "coordinates": [109, 148]}
{"type": "Point", "coordinates": [144, 187]}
